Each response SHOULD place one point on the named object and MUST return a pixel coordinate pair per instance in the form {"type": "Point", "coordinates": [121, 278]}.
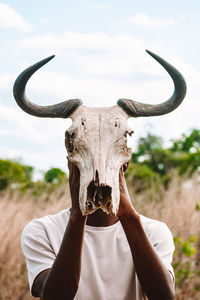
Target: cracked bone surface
{"type": "Point", "coordinates": [97, 143]}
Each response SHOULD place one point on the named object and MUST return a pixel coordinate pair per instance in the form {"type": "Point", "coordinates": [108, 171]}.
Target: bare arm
{"type": "Point", "coordinates": [61, 281]}
{"type": "Point", "coordinates": [154, 277]}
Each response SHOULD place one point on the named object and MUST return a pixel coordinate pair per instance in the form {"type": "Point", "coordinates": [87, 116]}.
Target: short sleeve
{"type": "Point", "coordinates": [164, 246]}
{"type": "Point", "coordinates": [37, 250]}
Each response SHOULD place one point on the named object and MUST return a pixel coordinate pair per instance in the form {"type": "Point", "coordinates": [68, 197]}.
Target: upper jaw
{"type": "Point", "coordinates": [98, 197]}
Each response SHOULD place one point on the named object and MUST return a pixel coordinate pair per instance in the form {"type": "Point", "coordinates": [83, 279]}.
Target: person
{"type": "Point", "coordinates": [99, 257]}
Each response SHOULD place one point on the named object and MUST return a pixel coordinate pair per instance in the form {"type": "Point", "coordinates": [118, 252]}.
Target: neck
{"type": "Point", "coordinates": [100, 219]}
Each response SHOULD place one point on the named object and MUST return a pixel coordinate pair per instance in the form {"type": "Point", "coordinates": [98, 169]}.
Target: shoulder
{"type": "Point", "coordinates": [40, 241]}
{"type": "Point", "coordinates": [48, 220]}
{"type": "Point", "coordinates": [42, 226]}
{"type": "Point", "coordinates": [161, 239]}
{"type": "Point", "coordinates": [151, 224]}
{"type": "Point", "coordinates": [156, 230]}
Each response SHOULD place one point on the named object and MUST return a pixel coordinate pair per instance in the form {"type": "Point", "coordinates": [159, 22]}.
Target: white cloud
{"type": "Point", "coordinates": [72, 41]}
{"type": "Point", "coordinates": [104, 68]}
{"type": "Point", "coordinates": [24, 126]}
{"type": "Point", "coordinates": [97, 53]}
{"type": "Point", "coordinates": [10, 18]}
{"type": "Point", "coordinates": [95, 91]}
{"type": "Point", "coordinates": [143, 20]}
{"type": "Point", "coordinates": [113, 62]}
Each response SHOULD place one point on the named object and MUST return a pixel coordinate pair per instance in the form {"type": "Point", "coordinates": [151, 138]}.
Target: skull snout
{"type": "Point", "coordinates": [98, 196]}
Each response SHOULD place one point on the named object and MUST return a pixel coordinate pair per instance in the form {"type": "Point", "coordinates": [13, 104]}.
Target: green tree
{"type": "Point", "coordinates": [14, 173]}
{"type": "Point", "coordinates": [152, 163]}
{"type": "Point", "coordinates": [151, 153]}
{"type": "Point", "coordinates": [54, 175]}
{"type": "Point", "coordinates": [184, 154]}
{"type": "Point", "coordinates": [190, 143]}
{"type": "Point", "coordinates": [146, 146]}
{"type": "Point", "coordinates": [189, 148]}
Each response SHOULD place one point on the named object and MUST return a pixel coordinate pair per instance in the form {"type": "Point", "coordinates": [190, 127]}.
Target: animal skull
{"type": "Point", "coordinates": [97, 140]}
{"type": "Point", "coordinates": [97, 143]}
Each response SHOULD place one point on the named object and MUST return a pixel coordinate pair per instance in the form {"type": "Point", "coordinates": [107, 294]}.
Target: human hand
{"type": "Point", "coordinates": [74, 184]}
{"type": "Point", "coordinates": [125, 202]}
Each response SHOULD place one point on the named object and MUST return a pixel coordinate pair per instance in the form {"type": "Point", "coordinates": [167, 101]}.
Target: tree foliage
{"type": "Point", "coordinates": [54, 175]}
{"type": "Point", "coordinates": [190, 143]}
{"type": "Point", "coordinates": [152, 162]}
{"type": "Point", "coordinates": [14, 173]}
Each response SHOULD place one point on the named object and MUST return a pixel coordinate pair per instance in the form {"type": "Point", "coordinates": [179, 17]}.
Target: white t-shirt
{"type": "Point", "coordinates": [107, 271]}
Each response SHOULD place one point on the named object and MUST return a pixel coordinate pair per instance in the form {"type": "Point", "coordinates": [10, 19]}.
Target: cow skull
{"type": "Point", "coordinates": [97, 139]}
{"type": "Point", "coordinates": [97, 143]}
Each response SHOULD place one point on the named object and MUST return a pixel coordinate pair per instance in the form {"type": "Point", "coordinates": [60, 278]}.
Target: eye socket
{"type": "Point", "coordinates": [69, 141]}
{"type": "Point", "coordinates": [69, 135]}
{"type": "Point", "coordinates": [128, 133]}
{"type": "Point", "coordinates": [72, 135]}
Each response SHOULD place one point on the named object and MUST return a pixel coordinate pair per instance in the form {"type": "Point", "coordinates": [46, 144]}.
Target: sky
{"type": "Point", "coordinates": [100, 58]}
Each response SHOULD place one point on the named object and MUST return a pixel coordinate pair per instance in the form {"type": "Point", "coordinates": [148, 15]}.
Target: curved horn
{"type": "Point", "coordinates": [137, 109]}
{"type": "Point", "coordinates": [59, 110]}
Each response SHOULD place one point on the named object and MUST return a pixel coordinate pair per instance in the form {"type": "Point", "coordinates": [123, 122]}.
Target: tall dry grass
{"type": "Point", "coordinates": [16, 210]}
{"type": "Point", "coordinates": [176, 208]}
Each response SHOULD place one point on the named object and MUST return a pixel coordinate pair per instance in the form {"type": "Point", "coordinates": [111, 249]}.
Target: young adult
{"type": "Point", "coordinates": [99, 257]}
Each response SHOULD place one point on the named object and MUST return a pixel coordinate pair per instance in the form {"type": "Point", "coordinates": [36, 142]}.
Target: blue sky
{"type": "Point", "coordinates": [100, 57]}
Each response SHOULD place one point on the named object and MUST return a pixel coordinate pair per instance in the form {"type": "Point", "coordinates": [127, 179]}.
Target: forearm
{"type": "Point", "coordinates": [152, 273]}
{"type": "Point", "coordinates": [63, 278]}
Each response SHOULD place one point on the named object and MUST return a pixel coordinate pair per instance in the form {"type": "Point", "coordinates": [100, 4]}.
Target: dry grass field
{"type": "Point", "coordinates": [178, 208]}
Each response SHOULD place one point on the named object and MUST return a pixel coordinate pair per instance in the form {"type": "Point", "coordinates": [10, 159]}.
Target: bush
{"type": "Point", "coordinates": [54, 175]}
{"type": "Point", "coordinates": [14, 173]}
{"type": "Point", "coordinates": [151, 160]}
{"type": "Point", "coordinates": [185, 270]}
{"type": "Point", "coordinates": [141, 177]}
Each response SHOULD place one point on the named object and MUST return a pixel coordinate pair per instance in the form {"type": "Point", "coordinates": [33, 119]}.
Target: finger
{"type": "Point", "coordinates": [125, 166]}
{"type": "Point", "coordinates": [69, 165]}
{"type": "Point", "coordinates": [76, 173]}
{"type": "Point", "coordinates": [121, 173]}
{"type": "Point", "coordinates": [71, 171]}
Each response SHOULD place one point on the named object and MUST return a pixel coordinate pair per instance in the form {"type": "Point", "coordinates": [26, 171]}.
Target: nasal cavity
{"type": "Point", "coordinates": [96, 180]}
{"type": "Point", "coordinates": [96, 175]}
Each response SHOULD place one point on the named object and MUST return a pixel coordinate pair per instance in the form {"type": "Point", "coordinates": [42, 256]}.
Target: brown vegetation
{"type": "Point", "coordinates": [178, 207]}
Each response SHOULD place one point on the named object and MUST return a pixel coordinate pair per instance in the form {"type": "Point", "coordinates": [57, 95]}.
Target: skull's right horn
{"type": "Point", "coordinates": [137, 109]}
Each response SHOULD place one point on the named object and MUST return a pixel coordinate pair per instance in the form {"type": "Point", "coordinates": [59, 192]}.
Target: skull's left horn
{"type": "Point", "coordinates": [137, 109]}
{"type": "Point", "coordinates": [59, 110]}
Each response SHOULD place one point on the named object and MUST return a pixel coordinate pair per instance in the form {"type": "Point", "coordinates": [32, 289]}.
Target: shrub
{"type": "Point", "coordinates": [54, 175]}
{"type": "Point", "coordinates": [14, 173]}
